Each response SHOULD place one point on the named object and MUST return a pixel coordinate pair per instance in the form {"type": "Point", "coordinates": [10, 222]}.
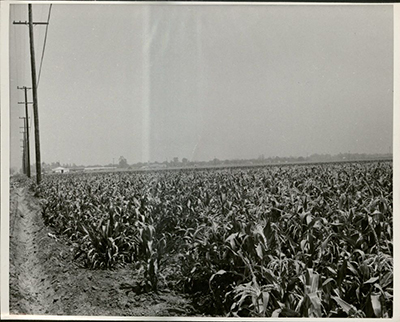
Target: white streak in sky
{"type": "Point", "coordinates": [146, 85]}
{"type": "Point", "coordinates": [200, 87]}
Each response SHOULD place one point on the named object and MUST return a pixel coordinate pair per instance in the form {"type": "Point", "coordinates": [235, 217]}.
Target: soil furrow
{"type": "Point", "coordinates": [45, 278]}
{"type": "Point", "coordinates": [27, 266]}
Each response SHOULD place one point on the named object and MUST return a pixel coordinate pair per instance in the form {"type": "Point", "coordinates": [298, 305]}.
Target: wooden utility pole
{"type": "Point", "coordinates": [27, 149]}
{"type": "Point", "coordinates": [23, 157]}
{"type": "Point", "coordinates": [35, 100]}
{"type": "Point", "coordinates": [24, 161]}
{"type": "Point", "coordinates": [30, 23]}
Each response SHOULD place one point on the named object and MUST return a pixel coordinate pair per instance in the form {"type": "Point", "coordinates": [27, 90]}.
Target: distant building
{"type": "Point", "coordinates": [99, 168]}
{"type": "Point", "coordinates": [154, 166]}
{"type": "Point", "coordinates": [77, 169]}
{"type": "Point", "coordinates": [60, 170]}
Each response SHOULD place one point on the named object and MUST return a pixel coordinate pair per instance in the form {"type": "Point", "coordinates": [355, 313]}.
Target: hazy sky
{"type": "Point", "coordinates": [236, 81]}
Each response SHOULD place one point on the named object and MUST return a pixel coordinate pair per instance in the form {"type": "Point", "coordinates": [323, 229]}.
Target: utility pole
{"type": "Point", "coordinates": [23, 157]}
{"type": "Point", "coordinates": [27, 145]}
{"type": "Point", "coordinates": [23, 153]}
{"type": "Point", "coordinates": [35, 102]}
{"type": "Point", "coordinates": [30, 23]}
{"type": "Point", "coordinates": [24, 163]}
{"type": "Point", "coordinates": [25, 150]}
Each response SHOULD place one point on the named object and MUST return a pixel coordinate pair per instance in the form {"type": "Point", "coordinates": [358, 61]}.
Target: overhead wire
{"type": "Point", "coordinates": [44, 45]}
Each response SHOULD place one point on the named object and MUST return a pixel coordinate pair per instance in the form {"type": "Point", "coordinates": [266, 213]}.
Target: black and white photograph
{"type": "Point", "coordinates": [198, 160]}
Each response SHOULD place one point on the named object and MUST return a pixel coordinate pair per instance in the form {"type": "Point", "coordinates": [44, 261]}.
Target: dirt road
{"type": "Point", "coordinates": [29, 288]}
{"type": "Point", "coordinates": [45, 279]}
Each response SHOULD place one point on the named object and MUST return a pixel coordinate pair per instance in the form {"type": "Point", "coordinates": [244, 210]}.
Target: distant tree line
{"type": "Point", "coordinates": [185, 162]}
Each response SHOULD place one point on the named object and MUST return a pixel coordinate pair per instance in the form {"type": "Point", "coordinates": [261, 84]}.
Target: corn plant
{"type": "Point", "coordinates": [293, 241]}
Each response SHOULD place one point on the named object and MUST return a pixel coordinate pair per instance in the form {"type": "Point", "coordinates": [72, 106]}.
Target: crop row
{"type": "Point", "coordinates": [306, 241]}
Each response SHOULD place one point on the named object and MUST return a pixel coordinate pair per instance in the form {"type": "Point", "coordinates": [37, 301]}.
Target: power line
{"type": "Point", "coordinates": [44, 44]}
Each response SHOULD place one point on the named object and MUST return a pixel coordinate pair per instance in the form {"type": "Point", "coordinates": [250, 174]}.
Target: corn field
{"type": "Point", "coordinates": [287, 241]}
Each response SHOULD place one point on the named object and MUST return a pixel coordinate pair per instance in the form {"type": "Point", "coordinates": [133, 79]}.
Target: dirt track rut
{"type": "Point", "coordinates": [46, 280]}
{"type": "Point", "coordinates": [33, 288]}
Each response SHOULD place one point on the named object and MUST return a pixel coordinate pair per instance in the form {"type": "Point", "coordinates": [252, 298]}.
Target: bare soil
{"type": "Point", "coordinates": [46, 280]}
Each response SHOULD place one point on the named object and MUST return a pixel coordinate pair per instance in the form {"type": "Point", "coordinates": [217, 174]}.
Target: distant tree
{"type": "Point", "coordinates": [123, 163]}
